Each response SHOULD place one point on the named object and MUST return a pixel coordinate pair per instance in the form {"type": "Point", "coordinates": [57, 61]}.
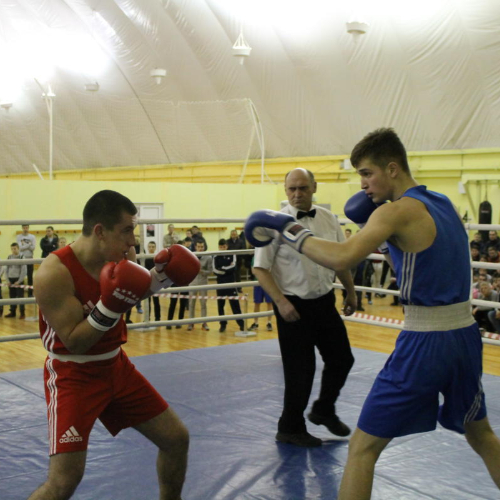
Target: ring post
{"type": "Point", "coordinates": [245, 332]}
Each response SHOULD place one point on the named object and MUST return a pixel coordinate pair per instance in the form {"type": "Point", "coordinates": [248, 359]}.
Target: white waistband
{"type": "Point", "coordinates": [84, 358]}
{"type": "Point", "coordinates": [438, 318]}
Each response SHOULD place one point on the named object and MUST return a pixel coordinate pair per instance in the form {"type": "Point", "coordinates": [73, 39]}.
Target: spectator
{"type": "Point", "coordinates": [184, 302]}
{"type": "Point", "coordinates": [15, 276]}
{"type": "Point", "coordinates": [485, 275]}
{"type": "Point", "coordinates": [475, 254]}
{"type": "Point", "coordinates": [494, 319]}
{"type": "Point", "coordinates": [49, 242]}
{"type": "Point", "coordinates": [171, 237]}
{"type": "Point", "coordinates": [137, 245]}
{"type": "Point", "coordinates": [197, 235]}
{"type": "Point", "coordinates": [359, 279]}
{"type": "Point", "coordinates": [248, 262]}
{"type": "Point", "coordinates": [348, 233]}
{"type": "Point", "coordinates": [394, 286]}
{"type": "Point", "coordinates": [378, 266]}
{"type": "Point", "coordinates": [493, 256]}
{"type": "Point", "coordinates": [475, 284]}
{"type": "Point", "coordinates": [480, 313]}
{"type": "Point", "coordinates": [496, 282]}
{"type": "Point", "coordinates": [494, 316]}
{"type": "Point", "coordinates": [478, 243]}
{"type": "Point", "coordinates": [235, 243]}
{"type": "Point", "coordinates": [189, 234]}
{"type": "Point", "coordinates": [27, 245]}
{"type": "Point", "coordinates": [493, 241]}
{"type": "Point", "coordinates": [223, 266]}
{"type": "Point", "coordinates": [137, 248]}
{"type": "Point", "coordinates": [62, 242]}
{"type": "Point", "coordinates": [201, 279]}
{"type": "Point", "coordinates": [138, 306]}
{"type": "Point", "coordinates": [149, 264]}
{"type": "Point", "coordinates": [383, 277]}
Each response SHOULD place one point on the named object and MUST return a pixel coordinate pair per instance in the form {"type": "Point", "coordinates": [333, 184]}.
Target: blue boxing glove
{"type": "Point", "coordinates": [358, 208]}
{"type": "Point", "coordinates": [265, 225]}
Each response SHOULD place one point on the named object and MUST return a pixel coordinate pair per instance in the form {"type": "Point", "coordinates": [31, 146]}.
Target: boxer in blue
{"type": "Point", "coordinates": [440, 349]}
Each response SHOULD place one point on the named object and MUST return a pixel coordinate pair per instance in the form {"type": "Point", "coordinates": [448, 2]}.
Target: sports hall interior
{"type": "Point", "coordinates": [191, 191]}
{"type": "Point", "coordinates": [64, 139]}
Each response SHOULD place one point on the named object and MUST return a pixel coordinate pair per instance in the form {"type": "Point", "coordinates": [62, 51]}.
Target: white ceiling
{"type": "Point", "coordinates": [430, 69]}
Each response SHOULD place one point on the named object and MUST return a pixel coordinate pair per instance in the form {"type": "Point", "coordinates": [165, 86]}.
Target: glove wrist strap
{"type": "Point", "coordinates": [101, 318]}
{"type": "Point", "coordinates": [294, 235]}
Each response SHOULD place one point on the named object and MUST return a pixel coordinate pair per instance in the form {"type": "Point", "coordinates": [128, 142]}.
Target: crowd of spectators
{"type": "Point", "coordinates": [485, 247]}
{"type": "Point", "coordinates": [486, 281]}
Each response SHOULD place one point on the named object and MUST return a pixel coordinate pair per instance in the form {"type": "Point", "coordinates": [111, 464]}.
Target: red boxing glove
{"type": "Point", "coordinates": [174, 265]}
{"type": "Point", "coordinates": [122, 286]}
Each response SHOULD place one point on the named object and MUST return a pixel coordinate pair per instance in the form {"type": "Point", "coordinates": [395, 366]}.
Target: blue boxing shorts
{"type": "Point", "coordinates": [404, 398]}
{"type": "Point", "coordinates": [259, 295]}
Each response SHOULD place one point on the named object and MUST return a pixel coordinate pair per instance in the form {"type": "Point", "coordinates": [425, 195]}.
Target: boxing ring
{"type": "Point", "coordinates": [230, 398]}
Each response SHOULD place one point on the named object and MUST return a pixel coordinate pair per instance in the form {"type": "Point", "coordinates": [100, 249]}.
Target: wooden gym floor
{"type": "Point", "coordinates": [28, 354]}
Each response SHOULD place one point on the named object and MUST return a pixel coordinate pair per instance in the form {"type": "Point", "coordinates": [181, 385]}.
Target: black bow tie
{"type": "Point", "coordinates": [301, 214]}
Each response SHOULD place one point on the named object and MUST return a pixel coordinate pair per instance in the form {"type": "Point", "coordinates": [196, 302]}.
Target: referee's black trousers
{"type": "Point", "coordinates": [320, 326]}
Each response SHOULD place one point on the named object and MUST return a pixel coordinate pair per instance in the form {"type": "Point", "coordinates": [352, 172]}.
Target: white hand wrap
{"type": "Point", "coordinates": [159, 280]}
{"type": "Point", "coordinates": [101, 318]}
{"type": "Point", "coordinates": [294, 235]}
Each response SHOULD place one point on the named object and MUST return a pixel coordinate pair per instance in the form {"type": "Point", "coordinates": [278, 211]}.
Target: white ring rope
{"type": "Point", "coordinates": [356, 318]}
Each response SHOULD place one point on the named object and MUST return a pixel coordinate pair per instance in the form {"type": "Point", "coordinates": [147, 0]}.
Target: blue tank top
{"type": "Point", "coordinates": [441, 274]}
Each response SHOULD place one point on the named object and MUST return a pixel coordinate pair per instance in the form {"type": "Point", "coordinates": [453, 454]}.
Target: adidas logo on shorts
{"type": "Point", "coordinates": [71, 436]}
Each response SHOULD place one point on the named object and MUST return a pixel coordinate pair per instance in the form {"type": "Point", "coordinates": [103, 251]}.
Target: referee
{"type": "Point", "coordinates": [304, 304]}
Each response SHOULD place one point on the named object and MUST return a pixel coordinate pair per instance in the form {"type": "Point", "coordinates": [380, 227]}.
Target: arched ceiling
{"type": "Point", "coordinates": [429, 69]}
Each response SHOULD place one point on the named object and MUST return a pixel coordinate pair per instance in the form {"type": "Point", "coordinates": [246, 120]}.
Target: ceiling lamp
{"type": "Point", "coordinates": [6, 105]}
{"type": "Point", "coordinates": [158, 74]}
{"type": "Point", "coordinates": [241, 49]}
{"type": "Point", "coordinates": [356, 28]}
{"type": "Point", "coordinates": [91, 87]}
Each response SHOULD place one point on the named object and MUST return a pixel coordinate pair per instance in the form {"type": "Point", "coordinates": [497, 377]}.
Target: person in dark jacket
{"type": "Point", "coordinates": [50, 242]}
{"type": "Point", "coordinates": [224, 269]}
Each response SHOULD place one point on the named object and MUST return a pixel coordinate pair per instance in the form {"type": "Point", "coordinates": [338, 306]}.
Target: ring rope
{"type": "Point", "coordinates": [244, 284]}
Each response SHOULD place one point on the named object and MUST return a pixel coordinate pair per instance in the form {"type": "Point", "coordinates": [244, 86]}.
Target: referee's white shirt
{"type": "Point", "coordinates": [293, 272]}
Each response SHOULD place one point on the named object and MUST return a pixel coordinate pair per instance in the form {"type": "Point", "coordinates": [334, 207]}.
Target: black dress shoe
{"type": "Point", "coordinates": [303, 439]}
{"type": "Point", "coordinates": [222, 329]}
{"type": "Point", "coordinates": [332, 423]}
{"type": "Point", "coordinates": [10, 315]}
{"type": "Point", "coordinates": [359, 308]}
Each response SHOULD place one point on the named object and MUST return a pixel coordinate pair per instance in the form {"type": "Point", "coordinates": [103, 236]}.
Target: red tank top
{"type": "Point", "coordinates": [88, 292]}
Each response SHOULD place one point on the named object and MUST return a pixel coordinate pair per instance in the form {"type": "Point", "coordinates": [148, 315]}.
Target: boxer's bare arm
{"type": "Point", "coordinates": [406, 223]}
{"type": "Point", "coordinates": [55, 295]}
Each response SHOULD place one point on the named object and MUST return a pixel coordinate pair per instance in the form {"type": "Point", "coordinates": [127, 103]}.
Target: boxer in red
{"type": "Point", "coordinates": [82, 291]}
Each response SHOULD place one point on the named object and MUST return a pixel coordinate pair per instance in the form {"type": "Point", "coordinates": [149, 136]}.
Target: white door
{"type": "Point", "coordinates": [150, 232]}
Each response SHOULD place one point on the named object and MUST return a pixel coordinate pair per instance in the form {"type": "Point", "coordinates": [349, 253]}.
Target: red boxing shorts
{"type": "Point", "coordinates": [111, 390]}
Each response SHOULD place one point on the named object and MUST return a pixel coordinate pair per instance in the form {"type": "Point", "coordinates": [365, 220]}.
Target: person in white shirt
{"type": "Point", "coordinates": [201, 279]}
{"type": "Point", "coordinates": [27, 245]}
{"type": "Point", "coordinates": [304, 304]}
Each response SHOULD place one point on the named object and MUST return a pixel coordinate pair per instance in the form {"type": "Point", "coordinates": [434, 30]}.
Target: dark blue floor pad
{"type": "Point", "coordinates": [230, 399]}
